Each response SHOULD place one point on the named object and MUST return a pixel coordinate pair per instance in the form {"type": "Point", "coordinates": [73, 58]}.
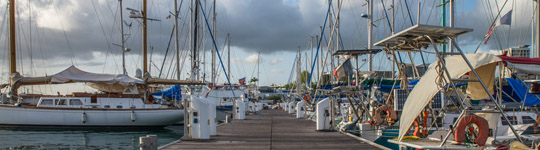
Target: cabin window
{"type": "Point", "coordinates": [119, 106]}
{"type": "Point", "coordinates": [527, 119]}
{"type": "Point", "coordinates": [512, 119]}
{"type": "Point", "coordinates": [107, 106]}
{"type": "Point", "coordinates": [93, 99]}
{"type": "Point", "coordinates": [62, 102]}
{"type": "Point", "coordinates": [75, 102]}
{"type": "Point", "coordinates": [47, 102]}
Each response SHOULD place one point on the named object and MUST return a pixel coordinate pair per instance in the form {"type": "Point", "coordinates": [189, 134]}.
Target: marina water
{"type": "Point", "coordinates": [82, 138]}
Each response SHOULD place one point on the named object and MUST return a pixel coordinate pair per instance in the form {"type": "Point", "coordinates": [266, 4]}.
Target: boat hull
{"type": "Point", "coordinates": [33, 116]}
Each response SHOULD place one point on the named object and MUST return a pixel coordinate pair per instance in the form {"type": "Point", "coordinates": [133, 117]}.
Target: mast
{"type": "Point", "coordinates": [213, 48]}
{"type": "Point", "coordinates": [450, 46]}
{"type": "Point", "coordinates": [370, 28]}
{"type": "Point", "coordinates": [443, 19]}
{"type": "Point", "coordinates": [393, 32]}
{"type": "Point", "coordinates": [145, 59]}
{"type": "Point", "coordinates": [123, 45]}
{"type": "Point", "coordinates": [537, 40]}
{"type": "Point", "coordinates": [12, 52]}
{"type": "Point", "coordinates": [176, 46]}
{"type": "Point", "coordinates": [194, 65]}
{"type": "Point", "coordinates": [311, 60]}
{"type": "Point", "coordinates": [298, 72]}
{"type": "Point", "coordinates": [229, 55]}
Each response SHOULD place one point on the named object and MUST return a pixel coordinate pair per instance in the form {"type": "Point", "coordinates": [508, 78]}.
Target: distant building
{"type": "Point", "coordinates": [522, 51]}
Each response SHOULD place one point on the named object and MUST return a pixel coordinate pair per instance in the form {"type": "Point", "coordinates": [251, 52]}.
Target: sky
{"type": "Point", "coordinates": [55, 34]}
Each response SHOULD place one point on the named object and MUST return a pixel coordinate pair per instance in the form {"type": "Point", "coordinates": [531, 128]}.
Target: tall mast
{"type": "Point", "coordinates": [229, 55]}
{"type": "Point", "coordinates": [537, 40]}
{"type": "Point", "coordinates": [213, 48]}
{"type": "Point", "coordinates": [194, 65]}
{"type": "Point", "coordinates": [176, 46]}
{"type": "Point", "coordinates": [450, 46]}
{"type": "Point", "coordinates": [145, 59]}
{"type": "Point", "coordinates": [443, 20]}
{"type": "Point", "coordinates": [370, 28]}
{"type": "Point", "coordinates": [12, 53]}
{"type": "Point", "coordinates": [122, 32]}
{"type": "Point", "coordinates": [298, 72]}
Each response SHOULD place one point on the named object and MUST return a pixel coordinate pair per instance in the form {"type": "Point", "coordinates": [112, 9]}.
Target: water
{"type": "Point", "coordinates": [83, 138]}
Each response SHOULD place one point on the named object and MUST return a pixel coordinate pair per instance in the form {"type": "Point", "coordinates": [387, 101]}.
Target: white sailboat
{"type": "Point", "coordinates": [126, 102]}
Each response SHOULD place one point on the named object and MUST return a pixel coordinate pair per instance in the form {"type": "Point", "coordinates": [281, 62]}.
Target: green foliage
{"type": "Point", "coordinates": [274, 98]}
{"type": "Point", "coordinates": [253, 80]}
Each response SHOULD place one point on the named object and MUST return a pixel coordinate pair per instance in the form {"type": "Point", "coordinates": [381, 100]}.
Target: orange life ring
{"type": "Point", "coordinates": [307, 97]}
{"type": "Point", "coordinates": [390, 114]}
{"type": "Point", "coordinates": [483, 129]}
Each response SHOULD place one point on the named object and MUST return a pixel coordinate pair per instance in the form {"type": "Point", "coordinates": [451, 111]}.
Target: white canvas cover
{"type": "Point", "coordinates": [74, 74]}
{"type": "Point", "coordinates": [427, 87]}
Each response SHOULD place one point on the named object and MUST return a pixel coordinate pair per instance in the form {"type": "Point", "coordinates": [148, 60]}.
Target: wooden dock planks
{"type": "Point", "coordinates": [273, 129]}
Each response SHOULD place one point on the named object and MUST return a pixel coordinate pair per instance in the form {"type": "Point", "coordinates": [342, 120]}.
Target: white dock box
{"type": "Point", "coordinates": [323, 114]}
{"type": "Point", "coordinates": [300, 109]}
{"type": "Point", "coordinates": [199, 121]}
{"type": "Point", "coordinates": [240, 110]}
{"type": "Point", "coordinates": [290, 108]}
{"type": "Point", "coordinates": [211, 116]}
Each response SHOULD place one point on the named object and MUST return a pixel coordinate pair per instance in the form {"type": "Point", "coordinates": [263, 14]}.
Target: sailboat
{"type": "Point", "coordinates": [124, 103]}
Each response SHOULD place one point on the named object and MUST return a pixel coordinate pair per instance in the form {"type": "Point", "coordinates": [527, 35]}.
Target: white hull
{"type": "Point", "coordinates": [11, 115]}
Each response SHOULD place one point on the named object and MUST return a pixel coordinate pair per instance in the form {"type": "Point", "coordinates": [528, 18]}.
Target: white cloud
{"type": "Point", "coordinates": [276, 60]}
{"type": "Point", "coordinates": [276, 70]}
{"type": "Point", "coordinates": [236, 60]}
{"type": "Point", "coordinates": [252, 58]}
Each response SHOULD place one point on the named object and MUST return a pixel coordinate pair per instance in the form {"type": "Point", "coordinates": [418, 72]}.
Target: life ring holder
{"type": "Point", "coordinates": [462, 126]}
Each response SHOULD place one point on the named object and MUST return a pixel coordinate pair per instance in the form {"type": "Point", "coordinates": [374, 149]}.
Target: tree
{"type": "Point", "coordinates": [274, 98]}
{"type": "Point", "coordinates": [253, 80]}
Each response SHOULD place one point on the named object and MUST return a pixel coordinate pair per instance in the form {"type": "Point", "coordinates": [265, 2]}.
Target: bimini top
{"type": "Point", "coordinates": [413, 37]}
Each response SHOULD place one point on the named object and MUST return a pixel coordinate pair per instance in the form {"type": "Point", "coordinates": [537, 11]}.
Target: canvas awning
{"type": "Point", "coordinates": [74, 74]}
{"type": "Point", "coordinates": [427, 87]}
{"type": "Point", "coordinates": [104, 82]}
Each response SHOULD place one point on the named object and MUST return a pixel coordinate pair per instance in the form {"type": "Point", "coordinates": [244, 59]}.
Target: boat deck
{"type": "Point", "coordinates": [273, 129]}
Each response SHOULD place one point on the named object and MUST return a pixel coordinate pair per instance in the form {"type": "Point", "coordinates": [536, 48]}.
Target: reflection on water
{"type": "Point", "coordinates": [82, 138]}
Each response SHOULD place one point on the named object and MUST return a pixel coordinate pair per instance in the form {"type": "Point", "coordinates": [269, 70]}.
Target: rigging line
{"type": "Point", "coordinates": [104, 35]}
{"type": "Point", "coordinates": [496, 32]}
{"type": "Point", "coordinates": [292, 70]}
{"type": "Point", "coordinates": [166, 52]}
{"type": "Point", "coordinates": [66, 37]}
{"type": "Point", "coordinates": [387, 18]}
{"type": "Point", "coordinates": [510, 28]}
{"type": "Point", "coordinates": [528, 27]}
{"type": "Point", "coordinates": [320, 39]}
{"type": "Point", "coordinates": [432, 7]}
{"type": "Point", "coordinates": [409, 12]}
{"type": "Point", "coordinates": [338, 32]}
{"type": "Point", "coordinates": [492, 23]}
{"type": "Point", "coordinates": [217, 51]}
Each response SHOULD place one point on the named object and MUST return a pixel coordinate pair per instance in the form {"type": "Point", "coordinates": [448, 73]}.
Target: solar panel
{"type": "Point", "coordinates": [400, 96]}
{"type": "Point", "coordinates": [413, 38]}
{"type": "Point", "coordinates": [437, 102]}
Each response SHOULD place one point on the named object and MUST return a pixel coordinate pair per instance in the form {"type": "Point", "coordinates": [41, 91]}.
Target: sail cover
{"type": "Point", "coordinates": [525, 65]}
{"type": "Point", "coordinates": [427, 87]}
{"type": "Point", "coordinates": [74, 74]}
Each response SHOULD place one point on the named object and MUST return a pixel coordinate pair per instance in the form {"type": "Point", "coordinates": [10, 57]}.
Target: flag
{"type": "Point", "coordinates": [344, 69]}
{"type": "Point", "coordinates": [242, 80]}
{"type": "Point", "coordinates": [505, 20]}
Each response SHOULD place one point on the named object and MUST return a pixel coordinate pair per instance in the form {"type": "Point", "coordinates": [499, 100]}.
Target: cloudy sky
{"type": "Point", "coordinates": [55, 34]}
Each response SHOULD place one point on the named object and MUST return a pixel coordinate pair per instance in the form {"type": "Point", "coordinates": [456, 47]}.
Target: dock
{"type": "Point", "coordinates": [272, 129]}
